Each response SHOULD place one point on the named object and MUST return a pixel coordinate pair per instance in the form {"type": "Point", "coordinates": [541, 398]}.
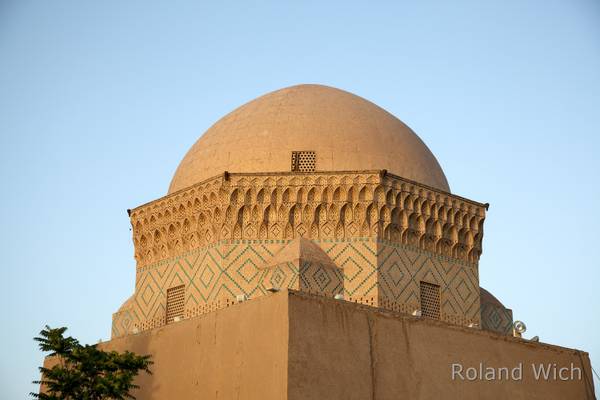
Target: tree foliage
{"type": "Point", "coordinates": [85, 372]}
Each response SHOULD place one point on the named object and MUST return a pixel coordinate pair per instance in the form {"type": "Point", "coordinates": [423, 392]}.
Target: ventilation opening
{"type": "Point", "coordinates": [175, 299]}
{"type": "Point", "coordinates": [430, 300]}
{"type": "Point", "coordinates": [303, 161]}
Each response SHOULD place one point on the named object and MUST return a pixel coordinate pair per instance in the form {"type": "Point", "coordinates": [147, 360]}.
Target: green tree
{"type": "Point", "coordinates": [84, 372]}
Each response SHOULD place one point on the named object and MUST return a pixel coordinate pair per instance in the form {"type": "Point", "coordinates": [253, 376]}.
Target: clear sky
{"type": "Point", "coordinates": [99, 101]}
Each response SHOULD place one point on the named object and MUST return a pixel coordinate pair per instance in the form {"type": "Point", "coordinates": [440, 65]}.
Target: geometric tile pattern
{"type": "Point", "coordinates": [496, 318]}
{"type": "Point", "coordinates": [214, 275]}
{"type": "Point", "coordinates": [369, 271]}
{"type": "Point", "coordinates": [401, 269]}
{"type": "Point", "coordinates": [211, 274]}
{"type": "Point", "coordinates": [309, 277]}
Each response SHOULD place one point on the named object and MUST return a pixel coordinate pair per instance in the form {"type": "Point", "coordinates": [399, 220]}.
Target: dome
{"type": "Point", "coordinates": [347, 133]}
{"type": "Point", "coordinates": [488, 298]}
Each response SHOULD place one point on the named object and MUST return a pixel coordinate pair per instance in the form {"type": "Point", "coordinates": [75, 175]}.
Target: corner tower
{"type": "Point", "coordinates": [314, 189]}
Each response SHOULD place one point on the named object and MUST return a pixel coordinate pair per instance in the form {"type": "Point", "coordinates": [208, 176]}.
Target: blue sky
{"type": "Point", "coordinates": [99, 101]}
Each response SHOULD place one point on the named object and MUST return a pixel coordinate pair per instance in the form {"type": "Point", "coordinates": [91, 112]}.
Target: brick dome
{"type": "Point", "coordinates": [345, 131]}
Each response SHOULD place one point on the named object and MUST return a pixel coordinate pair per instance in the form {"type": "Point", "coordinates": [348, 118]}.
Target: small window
{"type": "Point", "coordinates": [430, 300]}
{"type": "Point", "coordinates": [175, 300]}
{"type": "Point", "coordinates": [303, 161]}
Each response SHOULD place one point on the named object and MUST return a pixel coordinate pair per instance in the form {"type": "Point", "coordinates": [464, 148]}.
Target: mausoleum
{"type": "Point", "coordinates": [309, 247]}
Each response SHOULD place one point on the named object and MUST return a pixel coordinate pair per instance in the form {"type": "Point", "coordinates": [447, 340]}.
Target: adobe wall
{"type": "Point", "coordinates": [235, 353]}
{"type": "Point", "coordinates": [339, 350]}
{"type": "Point", "coordinates": [291, 345]}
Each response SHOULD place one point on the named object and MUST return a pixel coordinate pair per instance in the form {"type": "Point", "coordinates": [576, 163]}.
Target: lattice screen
{"type": "Point", "coordinates": [430, 300]}
{"type": "Point", "coordinates": [175, 302]}
{"type": "Point", "coordinates": [303, 161]}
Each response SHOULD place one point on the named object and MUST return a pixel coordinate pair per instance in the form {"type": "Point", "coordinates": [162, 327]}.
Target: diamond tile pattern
{"type": "Point", "coordinates": [401, 269]}
{"type": "Point", "coordinates": [369, 271]}
{"type": "Point", "coordinates": [497, 319]}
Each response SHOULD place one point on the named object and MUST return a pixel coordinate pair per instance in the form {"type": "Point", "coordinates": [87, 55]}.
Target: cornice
{"type": "Point", "coordinates": [317, 205]}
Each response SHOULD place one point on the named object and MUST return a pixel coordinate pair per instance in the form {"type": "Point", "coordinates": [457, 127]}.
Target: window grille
{"type": "Point", "coordinates": [303, 161]}
{"type": "Point", "coordinates": [175, 300]}
{"type": "Point", "coordinates": [430, 300]}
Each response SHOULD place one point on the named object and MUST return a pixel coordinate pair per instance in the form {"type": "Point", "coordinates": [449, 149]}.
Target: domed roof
{"type": "Point", "coordinates": [487, 297]}
{"type": "Point", "coordinates": [345, 131]}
